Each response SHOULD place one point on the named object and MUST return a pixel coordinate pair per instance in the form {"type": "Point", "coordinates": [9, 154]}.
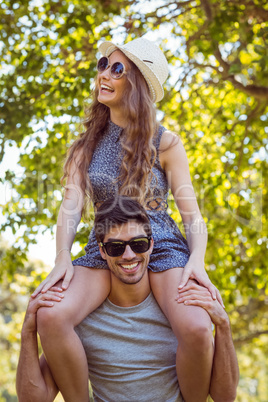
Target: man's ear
{"type": "Point", "coordinates": [102, 252]}
{"type": "Point", "coordinates": [151, 246]}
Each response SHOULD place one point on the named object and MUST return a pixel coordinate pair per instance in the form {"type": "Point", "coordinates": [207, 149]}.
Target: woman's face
{"type": "Point", "coordinates": [111, 91]}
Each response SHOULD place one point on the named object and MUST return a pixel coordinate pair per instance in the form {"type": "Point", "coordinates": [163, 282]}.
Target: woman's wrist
{"type": "Point", "coordinates": [197, 259]}
{"type": "Point", "coordinates": [63, 252]}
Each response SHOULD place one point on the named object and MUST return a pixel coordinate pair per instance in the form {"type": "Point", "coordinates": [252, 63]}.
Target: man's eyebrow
{"type": "Point", "coordinates": [132, 238]}
{"type": "Point", "coordinates": [112, 239]}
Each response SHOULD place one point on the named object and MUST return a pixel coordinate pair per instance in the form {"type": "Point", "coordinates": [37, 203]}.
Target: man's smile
{"type": "Point", "coordinates": [131, 266]}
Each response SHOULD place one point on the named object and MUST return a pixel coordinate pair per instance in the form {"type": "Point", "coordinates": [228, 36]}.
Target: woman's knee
{"type": "Point", "coordinates": [195, 329]}
{"type": "Point", "coordinates": [51, 320]}
{"type": "Point", "coordinates": [199, 334]}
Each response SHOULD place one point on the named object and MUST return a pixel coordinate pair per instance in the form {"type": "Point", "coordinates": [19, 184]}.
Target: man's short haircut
{"type": "Point", "coordinates": [117, 211]}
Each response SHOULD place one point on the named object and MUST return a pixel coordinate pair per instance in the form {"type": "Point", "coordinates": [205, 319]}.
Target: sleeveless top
{"type": "Point", "coordinates": [170, 247]}
{"type": "Point", "coordinates": [106, 162]}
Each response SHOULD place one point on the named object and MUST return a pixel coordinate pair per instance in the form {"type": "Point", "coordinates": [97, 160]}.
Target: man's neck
{"type": "Point", "coordinates": [129, 295]}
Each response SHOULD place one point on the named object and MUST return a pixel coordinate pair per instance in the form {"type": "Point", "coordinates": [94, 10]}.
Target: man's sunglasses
{"type": "Point", "coordinates": [117, 69]}
{"type": "Point", "coordinates": [116, 248]}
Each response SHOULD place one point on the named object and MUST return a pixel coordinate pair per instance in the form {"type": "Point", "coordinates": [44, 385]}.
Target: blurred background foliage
{"type": "Point", "coordinates": [216, 100]}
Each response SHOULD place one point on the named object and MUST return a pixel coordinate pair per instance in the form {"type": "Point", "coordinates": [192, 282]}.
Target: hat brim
{"type": "Point", "coordinates": [155, 87]}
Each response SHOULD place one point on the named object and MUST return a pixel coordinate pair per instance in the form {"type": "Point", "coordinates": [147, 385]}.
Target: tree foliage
{"type": "Point", "coordinates": [215, 99]}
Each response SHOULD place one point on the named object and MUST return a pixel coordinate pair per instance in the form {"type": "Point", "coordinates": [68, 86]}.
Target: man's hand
{"type": "Point", "coordinates": [196, 272]}
{"type": "Point", "coordinates": [47, 299]}
{"type": "Point", "coordinates": [197, 295]}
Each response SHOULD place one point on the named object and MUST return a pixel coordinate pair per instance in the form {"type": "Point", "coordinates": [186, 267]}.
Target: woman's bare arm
{"type": "Point", "coordinates": [175, 163]}
{"type": "Point", "coordinates": [68, 219]}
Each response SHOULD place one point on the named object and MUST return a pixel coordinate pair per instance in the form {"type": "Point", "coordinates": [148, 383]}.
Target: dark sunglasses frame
{"type": "Point", "coordinates": [132, 243]}
{"type": "Point", "coordinates": [113, 66]}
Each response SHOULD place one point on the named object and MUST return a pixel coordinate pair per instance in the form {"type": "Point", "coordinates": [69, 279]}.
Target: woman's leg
{"type": "Point", "coordinates": [62, 347]}
{"type": "Point", "coordinates": [192, 327]}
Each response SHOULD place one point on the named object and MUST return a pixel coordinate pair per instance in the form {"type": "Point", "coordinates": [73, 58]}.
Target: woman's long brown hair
{"type": "Point", "coordinates": [139, 152]}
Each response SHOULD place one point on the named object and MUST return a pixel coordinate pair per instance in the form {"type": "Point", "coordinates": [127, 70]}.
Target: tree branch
{"type": "Point", "coordinates": [196, 35]}
{"type": "Point", "coordinates": [245, 339]}
{"type": "Point", "coordinates": [258, 92]}
{"type": "Point", "coordinates": [198, 65]}
{"type": "Point", "coordinates": [207, 8]}
{"type": "Point", "coordinates": [252, 9]}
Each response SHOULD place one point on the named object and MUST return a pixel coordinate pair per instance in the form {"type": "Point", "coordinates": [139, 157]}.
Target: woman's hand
{"type": "Point", "coordinates": [63, 270]}
{"type": "Point", "coordinates": [193, 271]}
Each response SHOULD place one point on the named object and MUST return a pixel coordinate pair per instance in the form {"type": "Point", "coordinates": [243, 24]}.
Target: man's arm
{"type": "Point", "coordinates": [34, 381]}
{"type": "Point", "coordinates": [225, 371]}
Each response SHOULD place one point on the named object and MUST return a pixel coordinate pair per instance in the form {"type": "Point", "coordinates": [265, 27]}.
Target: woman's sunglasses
{"type": "Point", "coordinates": [116, 248]}
{"type": "Point", "coordinates": [117, 69]}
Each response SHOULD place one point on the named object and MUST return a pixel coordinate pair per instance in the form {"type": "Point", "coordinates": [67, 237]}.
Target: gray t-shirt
{"type": "Point", "coordinates": [131, 353]}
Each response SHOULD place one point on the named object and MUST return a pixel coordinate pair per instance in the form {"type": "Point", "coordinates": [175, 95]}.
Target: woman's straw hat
{"type": "Point", "coordinates": [149, 59]}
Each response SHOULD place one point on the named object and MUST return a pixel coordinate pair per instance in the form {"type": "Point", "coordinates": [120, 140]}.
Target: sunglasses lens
{"type": "Point", "coordinates": [115, 249]}
{"type": "Point", "coordinates": [117, 70]}
{"type": "Point", "coordinates": [140, 245]}
{"type": "Point", "coordinates": [102, 64]}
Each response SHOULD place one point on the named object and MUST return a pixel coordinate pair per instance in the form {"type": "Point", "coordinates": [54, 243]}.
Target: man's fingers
{"type": "Point", "coordinates": [51, 282]}
{"type": "Point", "coordinates": [191, 285]}
{"type": "Point", "coordinates": [38, 302]}
{"type": "Point", "coordinates": [45, 300]}
{"type": "Point", "coordinates": [205, 304]}
{"type": "Point", "coordinates": [47, 286]}
{"type": "Point", "coordinates": [194, 291]}
{"type": "Point", "coordinates": [37, 290]}
{"type": "Point", "coordinates": [206, 297]}
{"type": "Point", "coordinates": [196, 302]}
{"type": "Point", "coordinates": [56, 289]}
{"type": "Point", "coordinates": [45, 303]}
{"type": "Point", "coordinates": [53, 296]}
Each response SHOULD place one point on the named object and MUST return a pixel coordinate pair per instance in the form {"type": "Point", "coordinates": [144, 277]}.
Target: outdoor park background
{"type": "Point", "coordinates": [215, 99]}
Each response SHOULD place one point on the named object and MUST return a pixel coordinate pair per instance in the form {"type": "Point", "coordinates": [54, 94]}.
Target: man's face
{"type": "Point", "coordinates": [129, 267]}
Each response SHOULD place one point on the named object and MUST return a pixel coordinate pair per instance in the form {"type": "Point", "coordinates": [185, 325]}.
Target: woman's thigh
{"type": "Point", "coordinates": [183, 319]}
{"type": "Point", "coordinates": [88, 289]}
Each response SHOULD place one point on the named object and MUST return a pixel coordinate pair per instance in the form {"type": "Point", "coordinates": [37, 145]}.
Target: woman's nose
{"type": "Point", "coordinates": [105, 73]}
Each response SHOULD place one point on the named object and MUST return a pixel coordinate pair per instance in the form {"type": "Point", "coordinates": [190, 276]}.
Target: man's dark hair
{"type": "Point", "coordinates": [117, 211]}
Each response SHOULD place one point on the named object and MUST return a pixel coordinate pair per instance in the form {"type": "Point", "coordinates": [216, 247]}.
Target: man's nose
{"type": "Point", "coordinates": [128, 253]}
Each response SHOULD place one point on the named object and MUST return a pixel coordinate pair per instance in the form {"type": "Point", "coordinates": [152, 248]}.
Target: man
{"type": "Point", "coordinates": [130, 347]}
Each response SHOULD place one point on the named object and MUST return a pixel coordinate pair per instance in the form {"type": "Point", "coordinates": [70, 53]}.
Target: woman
{"type": "Point", "coordinates": [124, 150]}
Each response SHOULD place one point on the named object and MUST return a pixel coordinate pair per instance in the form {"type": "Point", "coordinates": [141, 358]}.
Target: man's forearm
{"type": "Point", "coordinates": [30, 382]}
{"type": "Point", "coordinates": [225, 371]}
